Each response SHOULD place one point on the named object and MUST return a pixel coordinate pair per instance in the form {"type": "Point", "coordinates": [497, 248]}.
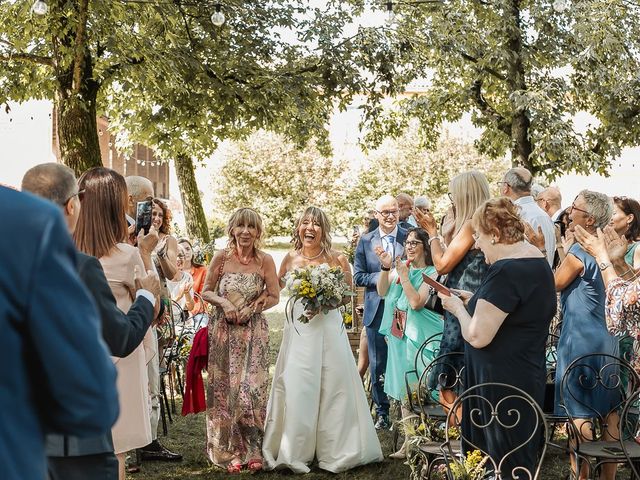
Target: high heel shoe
{"type": "Point", "coordinates": [234, 468]}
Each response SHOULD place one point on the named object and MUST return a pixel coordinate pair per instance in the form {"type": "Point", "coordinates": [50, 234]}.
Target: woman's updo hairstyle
{"type": "Point", "coordinates": [501, 217]}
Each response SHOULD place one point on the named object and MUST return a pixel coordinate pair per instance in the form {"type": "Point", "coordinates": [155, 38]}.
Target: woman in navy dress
{"type": "Point", "coordinates": [584, 330]}
{"type": "Point", "coordinates": [504, 326]}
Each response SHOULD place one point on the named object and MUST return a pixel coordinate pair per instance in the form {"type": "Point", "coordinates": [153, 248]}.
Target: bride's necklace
{"type": "Point", "coordinates": [314, 257]}
{"type": "Point", "coordinates": [246, 261]}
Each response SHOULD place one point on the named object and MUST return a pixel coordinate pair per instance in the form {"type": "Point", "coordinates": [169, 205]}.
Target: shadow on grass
{"type": "Point", "coordinates": [187, 436]}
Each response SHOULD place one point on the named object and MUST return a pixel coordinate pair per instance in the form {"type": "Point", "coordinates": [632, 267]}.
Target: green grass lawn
{"type": "Point", "coordinates": [187, 436]}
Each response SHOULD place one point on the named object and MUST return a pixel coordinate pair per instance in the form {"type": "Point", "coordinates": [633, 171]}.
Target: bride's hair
{"type": "Point", "coordinates": [316, 215]}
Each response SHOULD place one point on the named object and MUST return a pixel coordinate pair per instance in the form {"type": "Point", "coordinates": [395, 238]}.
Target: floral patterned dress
{"type": "Point", "coordinates": [237, 387]}
{"type": "Point", "coordinates": [623, 313]}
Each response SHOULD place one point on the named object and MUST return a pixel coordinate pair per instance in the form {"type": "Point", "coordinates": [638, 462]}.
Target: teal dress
{"type": "Point", "coordinates": [420, 325]}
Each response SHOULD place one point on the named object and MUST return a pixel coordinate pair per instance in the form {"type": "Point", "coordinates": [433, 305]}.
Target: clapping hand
{"type": "Point", "coordinates": [385, 257]}
{"type": "Point", "coordinates": [605, 246]}
{"type": "Point", "coordinates": [149, 282]}
{"type": "Point", "coordinates": [401, 267]}
{"type": "Point", "coordinates": [535, 238]}
{"type": "Point", "coordinates": [568, 240]}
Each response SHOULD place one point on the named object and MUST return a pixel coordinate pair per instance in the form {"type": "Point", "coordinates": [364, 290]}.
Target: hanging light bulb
{"type": "Point", "coordinates": [560, 5]}
{"type": "Point", "coordinates": [39, 7]}
{"type": "Point", "coordinates": [391, 17]}
{"type": "Point", "coordinates": [218, 17]}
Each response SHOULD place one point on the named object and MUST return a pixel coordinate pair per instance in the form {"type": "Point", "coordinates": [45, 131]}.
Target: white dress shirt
{"type": "Point", "coordinates": [386, 244]}
{"type": "Point", "coordinates": [530, 212]}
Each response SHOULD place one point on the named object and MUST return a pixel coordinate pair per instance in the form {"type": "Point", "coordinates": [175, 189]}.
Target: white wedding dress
{"type": "Point", "coordinates": [317, 407]}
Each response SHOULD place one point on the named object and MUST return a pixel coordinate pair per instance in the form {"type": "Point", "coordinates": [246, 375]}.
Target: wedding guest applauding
{"type": "Point", "coordinates": [405, 294]}
{"type": "Point", "coordinates": [505, 325]}
{"type": "Point", "coordinates": [366, 271]}
{"type": "Point", "coordinates": [584, 331]}
{"type": "Point", "coordinates": [317, 407]}
{"type": "Point", "coordinates": [461, 260]}
{"type": "Point", "coordinates": [626, 221]}
{"type": "Point", "coordinates": [241, 284]}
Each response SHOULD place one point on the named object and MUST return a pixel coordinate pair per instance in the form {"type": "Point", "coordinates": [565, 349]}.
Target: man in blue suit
{"type": "Point", "coordinates": [389, 237]}
{"type": "Point", "coordinates": [69, 457]}
{"type": "Point", "coordinates": [57, 374]}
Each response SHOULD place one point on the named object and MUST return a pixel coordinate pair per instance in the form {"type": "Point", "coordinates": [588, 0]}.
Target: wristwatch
{"type": "Point", "coordinates": [604, 265]}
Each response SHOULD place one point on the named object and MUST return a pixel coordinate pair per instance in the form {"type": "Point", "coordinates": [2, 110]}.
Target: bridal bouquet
{"type": "Point", "coordinates": [318, 287]}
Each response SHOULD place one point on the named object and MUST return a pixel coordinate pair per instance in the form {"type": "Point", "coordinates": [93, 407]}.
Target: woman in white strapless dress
{"type": "Point", "coordinates": [317, 407]}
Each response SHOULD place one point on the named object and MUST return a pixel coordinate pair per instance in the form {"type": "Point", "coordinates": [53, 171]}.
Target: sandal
{"type": "Point", "coordinates": [234, 468]}
{"type": "Point", "coordinates": [255, 464]}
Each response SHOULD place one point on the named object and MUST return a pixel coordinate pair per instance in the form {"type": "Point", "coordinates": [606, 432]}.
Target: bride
{"type": "Point", "coordinates": [317, 407]}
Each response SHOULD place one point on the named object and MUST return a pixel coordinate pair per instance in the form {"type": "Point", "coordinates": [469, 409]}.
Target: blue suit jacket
{"type": "Point", "coordinates": [367, 269]}
{"type": "Point", "coordinates": [57, 375]}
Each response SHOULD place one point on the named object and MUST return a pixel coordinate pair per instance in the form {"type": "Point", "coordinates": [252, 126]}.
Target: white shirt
{"type": "Point", "coordinates": [530, 212]}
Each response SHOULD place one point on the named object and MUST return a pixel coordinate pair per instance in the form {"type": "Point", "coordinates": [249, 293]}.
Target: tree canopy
{"type": "Point", "coordinates": [523, 69]}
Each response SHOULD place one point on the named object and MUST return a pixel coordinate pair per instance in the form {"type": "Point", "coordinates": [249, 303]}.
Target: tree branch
{"type": "Point", "coordinates": [28, 57]}
{"type": "Point", "coordinates": [488, 70]}
{"type": "Point", "coordinates": [487, 110]}
{"type": "Point", "coordinates": [116, 67]}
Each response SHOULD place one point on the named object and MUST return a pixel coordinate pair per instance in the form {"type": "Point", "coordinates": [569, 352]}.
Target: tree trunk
{"type": "Point", "coordinates": [78, 130]}
{"type": "Point", "coordinates": [191, 202]}
{"type": "Point", "coordinates": [521, 142]}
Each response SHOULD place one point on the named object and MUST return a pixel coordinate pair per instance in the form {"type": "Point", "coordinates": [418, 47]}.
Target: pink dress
{"type": "Point", "coordinates": [237, 388]}
{"type": "Point", "coordinates": [133, 428]}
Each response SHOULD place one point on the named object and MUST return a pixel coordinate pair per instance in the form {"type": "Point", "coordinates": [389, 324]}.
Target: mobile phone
{"type": "Point", "coordinates": [437, 286]}
{"type": "Point", "coordinates": [143, 216]}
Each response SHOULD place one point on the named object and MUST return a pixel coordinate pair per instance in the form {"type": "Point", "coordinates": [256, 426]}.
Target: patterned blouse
{"type": "Point", "coordinates": [623, 307]}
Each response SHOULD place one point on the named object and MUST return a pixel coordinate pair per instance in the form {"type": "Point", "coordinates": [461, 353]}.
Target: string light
{"type": "Point", "coordinates": [391, 17]}
{"type": "Point", "coordinates": [218, 17]}
{"type": "Point", "coordinates": [39, 7]}
{"type": "Point", "coordinates": [560, 5]}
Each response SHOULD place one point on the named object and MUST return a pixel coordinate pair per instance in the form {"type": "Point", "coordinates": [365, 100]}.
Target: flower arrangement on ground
{"type": "Point", "coordinates": [319, 288]}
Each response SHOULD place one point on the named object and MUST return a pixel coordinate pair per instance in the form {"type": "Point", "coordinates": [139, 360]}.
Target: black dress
{"type": "Point", "coordinates": [523, 288]}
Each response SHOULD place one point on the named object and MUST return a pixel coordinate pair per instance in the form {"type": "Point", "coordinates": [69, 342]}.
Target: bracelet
{"type": "Point", "coordinates": [626, 273]}
{"type": "Point", "coordinates": [384, 269]}
{"type": "Point", "coordinates": [437, 237]}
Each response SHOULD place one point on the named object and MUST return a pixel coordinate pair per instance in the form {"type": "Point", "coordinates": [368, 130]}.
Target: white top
{"type": "Point", "coordinates": [530, 212]}
{"type": "Point", "coordinates": [175, 287]}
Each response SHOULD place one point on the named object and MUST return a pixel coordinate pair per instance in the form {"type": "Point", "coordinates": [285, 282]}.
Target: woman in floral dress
{"type": "Point", "coordinates": [241, 284]}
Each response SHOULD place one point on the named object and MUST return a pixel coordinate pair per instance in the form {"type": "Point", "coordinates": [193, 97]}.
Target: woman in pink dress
{"type": "Point", "coordinates": [102, 232]}
{"type": "Point", "coordinates": [241, 284]}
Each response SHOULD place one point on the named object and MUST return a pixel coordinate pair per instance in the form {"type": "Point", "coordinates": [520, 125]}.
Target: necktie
{"type": "Point", "coordinates": [389, 241]}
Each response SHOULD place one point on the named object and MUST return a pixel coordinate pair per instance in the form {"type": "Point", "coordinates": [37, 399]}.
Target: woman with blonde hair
{"type": "Point", "coordinates": [241, 284]}
{"type": "Point", "coordinates": [102, 233]}
{"type": "Point", "coordinates": [317, 407]}
{"type": "Point", "coordinates": [460, 260]}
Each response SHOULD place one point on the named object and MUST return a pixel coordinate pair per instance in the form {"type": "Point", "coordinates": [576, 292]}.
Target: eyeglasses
{"type": "Point", "coordinates": [502, 183]}
{"type": "Point", "coordinates": [79, 193]}
{"type": "Point", "coordinates": [573, 207]}
{"type": "Point", "coordinates": [388, 213]}
{"type": "Point", "coordinates": [450, 197]}
{"type": "Point", "coordinates": [412, 243]}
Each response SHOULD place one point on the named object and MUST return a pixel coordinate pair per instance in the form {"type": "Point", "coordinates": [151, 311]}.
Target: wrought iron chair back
{"type": "Point", "coordinates": [605, 435]}
{"type": "Point", "coordinates": [420, 363]}
{"type": "Point", "coordinates": [505, 424]}
{"type": "Point", "coordinates": [445, 372]}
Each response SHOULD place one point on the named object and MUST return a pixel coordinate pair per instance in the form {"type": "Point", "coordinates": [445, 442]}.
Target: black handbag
{"type": "Point", "coordinates": [433, 302]}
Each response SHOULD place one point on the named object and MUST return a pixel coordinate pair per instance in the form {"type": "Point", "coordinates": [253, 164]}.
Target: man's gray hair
{"type": "Point", "coordinates": [519, 179]}
{"type": "Point", "coordinates": [599, 206]}
{"type": "Point", "coordinates": [53, 181]}
{"type": "Point", "coordinates": [138, 187]}
{"type": "Point", "coordinates": [422, 201]}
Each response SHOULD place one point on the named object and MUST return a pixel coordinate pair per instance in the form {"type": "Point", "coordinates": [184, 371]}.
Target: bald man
{"type": "Point", "coordinates": [516, 185]}
{"type": "Point", "coordinates": [550, 200]}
